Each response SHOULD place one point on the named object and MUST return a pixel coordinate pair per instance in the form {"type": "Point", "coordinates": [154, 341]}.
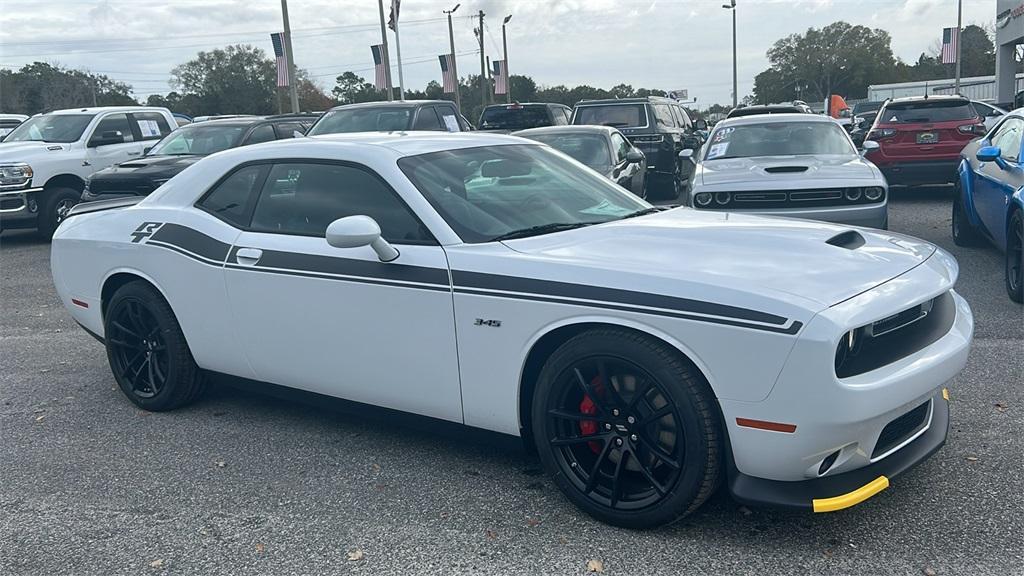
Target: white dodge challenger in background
{"type": "Point", "coordinates": [649, 355]}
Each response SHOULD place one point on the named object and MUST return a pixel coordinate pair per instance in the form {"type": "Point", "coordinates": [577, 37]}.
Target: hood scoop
{"type": "Point", "coordinates": [785, 169]}
{"type": "Point", "coordinates": [851, 240]}
{"type": "Point", "coordinates": [131, 165]}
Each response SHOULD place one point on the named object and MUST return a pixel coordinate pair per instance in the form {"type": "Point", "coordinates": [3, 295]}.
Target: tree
{"type": "Point", "coordinates": [622, 91]}
{"type": "Point", "coordinates": [40, 87]}
{"type": "Point", "coordinates": [977, 51]}
{"type": "Point", "coordinates": [350, 88]}
{"type": "Point", "coordinates": [238, 79]}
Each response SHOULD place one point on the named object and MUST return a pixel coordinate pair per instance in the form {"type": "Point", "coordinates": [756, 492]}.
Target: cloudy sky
{"type": "Point", "coordinates": [668, 44]}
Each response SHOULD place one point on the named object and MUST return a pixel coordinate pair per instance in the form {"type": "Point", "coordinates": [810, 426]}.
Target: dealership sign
{"type": "Point", "coordinates": [1004, 17]}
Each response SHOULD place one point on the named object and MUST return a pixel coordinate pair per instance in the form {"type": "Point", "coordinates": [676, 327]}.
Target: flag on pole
{"type": "Point", "coordinates": [393, 18]}
{"type": "Point", "coordinates": [950, 38]}
{"type": "Point", "coordinates": [448, 78]}
{"type": "Point", "coordinates": [380, 78]}
{"type": "Point", "coordinates": [500, 77]}
{"type": "Point", "coordinates": [282, 62]}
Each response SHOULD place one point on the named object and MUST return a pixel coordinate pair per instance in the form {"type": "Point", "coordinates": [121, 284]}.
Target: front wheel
{"type": "Point", "coordinates": [54, 208]}
{"type": "Point", "coordinates": [1015, 257]}
{"type": "Point", "coordinates": [627, 428]}
{"type": "Point", "coordinates": [147, 351]}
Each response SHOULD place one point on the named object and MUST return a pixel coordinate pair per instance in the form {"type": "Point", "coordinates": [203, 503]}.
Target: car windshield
{"type": "Point", "coordinates": [617, 115]}
{"type": "Point", "coordinates": [590, 149]}
{"type": "Point", "coordinates": [64, 128]}
{"type": "Point", "coordinates": [496, 192]}
{"type": "Point", "coordinates": [363, 119]}
{"type": "Point", "coordinates": [866, 106]}
{"type": "Point", "coordinates": [924, 111]}
{"type": "Point", "coordinates": [199, 140]}
{"type": "Point", "coordinates": [778, 139]}
{"type": "Point", "coordinates": [514, 117]}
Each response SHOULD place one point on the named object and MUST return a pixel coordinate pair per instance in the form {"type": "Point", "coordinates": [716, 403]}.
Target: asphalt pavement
{"type": "Point", "coordinates": [246, 482]}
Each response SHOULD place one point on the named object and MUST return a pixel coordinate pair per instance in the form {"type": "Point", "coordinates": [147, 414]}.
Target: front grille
{"type": "Point", "coordinates": [11, 204]}
{"type": "Point", "coordinates": [791, 199]}
{"type": "Point", "coordinates": [897, 431]}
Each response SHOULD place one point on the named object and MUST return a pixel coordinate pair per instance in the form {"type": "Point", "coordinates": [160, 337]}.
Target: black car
{"type": "Point", "coordinates": [768, 109]}
{"type": "Point", "coordinates": [861, 126]}
{"type": "Point", "coordinates": [659, 127]}
{"type": "Point", "coordinates": [505, 118]}
{"type": "Point", "coordinates": [397, 116]}
{"type": "Point", "coordinates": [602, 148]}
{"type": "Point", "coordinates": [184, 147]}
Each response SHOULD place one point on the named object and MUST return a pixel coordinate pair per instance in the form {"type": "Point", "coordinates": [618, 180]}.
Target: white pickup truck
{"type": "Point", "coordinates": [46, 160]}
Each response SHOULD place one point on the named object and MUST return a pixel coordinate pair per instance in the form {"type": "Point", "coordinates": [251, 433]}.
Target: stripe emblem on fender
{"type": "Point", "coordinates": [207, 250]}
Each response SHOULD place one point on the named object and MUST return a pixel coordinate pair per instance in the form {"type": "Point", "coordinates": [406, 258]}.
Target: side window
{"type": "Point", "coordinates": [263, 133]}
{"type": "Point", "coordinates": [449, 119]}
{"type": "Point", "coordinates": [232, 199]}
{"type": "Point", "coordinates": [151, 125]}
{"type": "Point", "coordinates": [682, 117]}
{"type": "Point", "coordinates": [557, 117]}
{"type": "Point", "coordinates": [112, 127]}
{"type": "Point", "coordinates": [305, 198]}
{"type": "Point", "coordinates": [427, 119]}
{"type": "Point", "coordinates": [620, 145]}
{"type": "Point", "coordinates": [663, 116]}
{"type": "Point", "coordinates": [1008, 138]}
{"type": "Point", "coordinates": [287, 130]}
{"type": "Point", "coordinates": [567, 112]}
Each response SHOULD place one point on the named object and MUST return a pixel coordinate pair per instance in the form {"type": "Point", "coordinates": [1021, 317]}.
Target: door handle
{"type": "Point", "coordinates": [248, 256]}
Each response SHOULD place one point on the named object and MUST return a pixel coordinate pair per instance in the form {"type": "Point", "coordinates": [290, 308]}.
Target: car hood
{"type": "Point", "coordinates": [770, 169]}
{"type": "Point", "coordinates": [150, 166]}
{"type": "Point", "coordinates": [815, 261]}
{"type": "Point", "coordinates": [27, 151]}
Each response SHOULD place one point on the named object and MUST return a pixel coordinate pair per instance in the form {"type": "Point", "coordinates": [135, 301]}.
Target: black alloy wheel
{"type": "Point", "coordinates": [1015, 257]}
{"type": "Point", "coordinates": [629, 436]}
{"type": "Point", "coordinates": [147, 350]}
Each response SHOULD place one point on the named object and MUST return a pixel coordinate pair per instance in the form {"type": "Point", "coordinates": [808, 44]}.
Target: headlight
{"type": "Point", "coordinates": [702, 198]}
{"type": "Point", "coordinates": [852, 194]}
{"type": "Point", "coordinates": [15, 174]}
{"type": "Point", "coordinates": [723, 198]}
{"type": "Point", "coordinates": [849, 346]}
{"type": "Point", "coordinates": [874, 193]}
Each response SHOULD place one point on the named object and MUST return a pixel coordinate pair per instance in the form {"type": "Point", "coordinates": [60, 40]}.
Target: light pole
{"type": "Point", "coordinates": [290, 58]}
{"type": "Point", "coordinates": [483, 64]}
{"type": "Point", "coordinates": [504, 49]}
{"type": "Point", "coordinates": [735, 92]}
{"type": "Point", "coordinates": [455, 69]}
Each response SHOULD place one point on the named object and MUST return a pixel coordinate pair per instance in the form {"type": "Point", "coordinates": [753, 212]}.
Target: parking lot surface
{"type": "Point", "coordinates": [244, 482]}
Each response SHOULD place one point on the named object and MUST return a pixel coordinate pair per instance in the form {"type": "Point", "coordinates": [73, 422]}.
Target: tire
{"type": "Point", "coordinates": [964, 234]}
{"type": "Point", "coordinates": [627, 428]}
{"type": "Point", "coordinates": [147, 351]}
{"type": "Point", "coordinates": [1015, 257]}
{"type": "Point", "coordinates": [53, 209]}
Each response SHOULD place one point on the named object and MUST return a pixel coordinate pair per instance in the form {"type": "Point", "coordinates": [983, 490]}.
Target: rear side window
{"type": "Point", "coordinates": [927, 112]}
{"type": "Point", "coordinates": [151, 125]}
{"type": "Point", "coordinates": [617, 115]}
{"type": "Point", "coordinates": [426, 119]}
{"type": "Point", "coordinates": [231, 200]}
{"type": "Point", "coordinates": [449, 119]}
{"type": "Point", "coordinates": [287, 130]}
{"type": "Point", "coordinates": [263, 133]}
{"type": "Point", "coordinates": [114, 123]}
{"type": "Point", "coordinates": [664, 116]}
{"type": "Point", "coordinates": [557, 117]}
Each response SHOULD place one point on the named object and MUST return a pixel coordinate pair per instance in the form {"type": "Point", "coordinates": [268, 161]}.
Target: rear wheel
{"type": "Point", "coordinates": [54, 208]}
{"type": "Point", "coordinates": [964, 234]}
{"type": "Point", "coordinates": [627, 428]}
{"type": "Point", "coordinates": [147, 351]}
{"type": "Point", "coordinates": [1015, 257]}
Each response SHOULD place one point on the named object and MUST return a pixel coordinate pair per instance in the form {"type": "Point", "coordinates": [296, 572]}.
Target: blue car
{"type": "Point", "coordinates": [989, 203]}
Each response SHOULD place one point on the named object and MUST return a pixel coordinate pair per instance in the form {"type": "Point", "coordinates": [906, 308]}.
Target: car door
{"type": "Point", "coordinates": [112, 141]}
{"type": "Point", "coordinates": [339, 321]}
{"type": "Point", "coordinates": [995, 185]}
{"type": "Point", "coordinates": [624, 172]}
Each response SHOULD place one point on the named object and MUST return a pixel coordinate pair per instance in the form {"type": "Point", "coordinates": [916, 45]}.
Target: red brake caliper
{"type": "Point", "coordinates": [587, 406]}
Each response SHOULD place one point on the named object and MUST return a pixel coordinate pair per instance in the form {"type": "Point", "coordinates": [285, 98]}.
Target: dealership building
{"type": "Point", "coordinates": [1009, 34]}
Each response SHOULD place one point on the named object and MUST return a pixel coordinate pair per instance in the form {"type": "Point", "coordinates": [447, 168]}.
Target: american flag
{"type": "Point", "coordinates": [500, 77]}
{"type": "Point", "coordinates": [393, 17]}
{"type": "Point", "coordinates": [282, 62]}
{"type": "Point", "coordinates": [950, 38]}
{"type": "Point", "coordinates": [380, 78]}
{"type": "Point", "coordinates": [448, 73]}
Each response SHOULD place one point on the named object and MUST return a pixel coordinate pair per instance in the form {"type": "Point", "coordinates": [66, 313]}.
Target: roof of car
{"type": "Point", "coordinates": [573, 129]}
{"type": "Point", "coordinates": [98, 109]}
{"type": "Point", "coordinates": [638, 100]}
{"type": "Point", "coordinates": [766, 118]}
{"type": "Point", "coordinates": [762, 109]}
{"type": "Point", "coordinates": [400, 143]}
{"type": "Point", "coordinates": [929, 98]}
{"type": "Point", "coordinates": [391, 104]}
{"type": "Point", "coordinates": [513, 104]}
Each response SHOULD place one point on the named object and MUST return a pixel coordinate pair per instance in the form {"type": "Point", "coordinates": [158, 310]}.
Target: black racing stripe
{"type": "Point", "coordinates": [464, 279]}
{"type": "Point", "coordinates": [317, 263]}
{"type": "Point", "coordinates": [184, 253]}
{"type": "Point", "coordinates": [193, 241]}
{"type": "Point", "coordinates": [326, 277]}
{"type": "Point", "coordinates": [792, 329]}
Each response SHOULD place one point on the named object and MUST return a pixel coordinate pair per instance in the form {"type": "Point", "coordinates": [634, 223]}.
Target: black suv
{"type": "Point", "coordinates": [186, 146]}
{"type": "Point", "coordinates": [506, 118]}
{"type": "Point", "coordinates": [659, 127]}
{"type": "Point", "coordinates": [396, 116]}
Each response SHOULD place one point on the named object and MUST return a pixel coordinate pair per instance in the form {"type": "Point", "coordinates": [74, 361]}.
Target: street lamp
{"type": "Point", "coordinates": [732, 6]}
{"type": "Point", "coordinates": [504, 49]}
{"type": "Point", "coordinates": [455, 69]}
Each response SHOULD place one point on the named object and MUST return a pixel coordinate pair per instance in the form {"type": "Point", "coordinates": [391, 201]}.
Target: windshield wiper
{"type": "Point", "coordinates": [541, 229]}
{"type": "Point", "coordinates": [644, 212]}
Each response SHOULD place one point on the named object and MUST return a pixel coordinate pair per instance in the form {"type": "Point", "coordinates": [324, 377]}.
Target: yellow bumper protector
{"type": "Point", "coordinates": [945, 394]}
{"type": "Point", "coordinates": [851, 498]}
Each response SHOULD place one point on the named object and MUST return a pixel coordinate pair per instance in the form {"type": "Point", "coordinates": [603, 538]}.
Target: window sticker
{"type": "Point", "coordinates": [148, 128]}
{"type": "Point", "coordinates": [606, 208]}
{"type": "Point", "coordinates": [723, 134]}
{"type": "Point", "coordinates": [717, 150]}
{"type": "Point", "coordinates": [451, 123]}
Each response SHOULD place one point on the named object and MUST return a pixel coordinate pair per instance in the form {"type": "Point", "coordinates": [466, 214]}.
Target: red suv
{"type": "Point", "coordinates": [920, 138]}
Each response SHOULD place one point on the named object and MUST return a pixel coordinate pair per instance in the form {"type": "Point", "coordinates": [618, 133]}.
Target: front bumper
{"type": "Point", "coordinates": [923, 172]}
{"type": "Point", "coordinates": [19, 207]}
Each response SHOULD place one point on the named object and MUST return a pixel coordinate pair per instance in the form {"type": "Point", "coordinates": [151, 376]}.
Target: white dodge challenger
{"type": "Point", "coordinates": [648, 355]}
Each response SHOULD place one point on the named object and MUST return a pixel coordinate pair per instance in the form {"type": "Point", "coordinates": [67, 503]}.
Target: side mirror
{"type": "Point", "coordinates": [687, 153]}
{"type": "Point", "coordinates": [989, 153]}
{"type": "Point", "coordinates": [870, 145]}
{"type": "Point", "coordinates": [634, 156]}
{"type": "Point", "coordinates": [147, 149]}
{"type": "Point", "coordinates": [356, 231]}
{"type": "Point", "coordinates": [105, 138]}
